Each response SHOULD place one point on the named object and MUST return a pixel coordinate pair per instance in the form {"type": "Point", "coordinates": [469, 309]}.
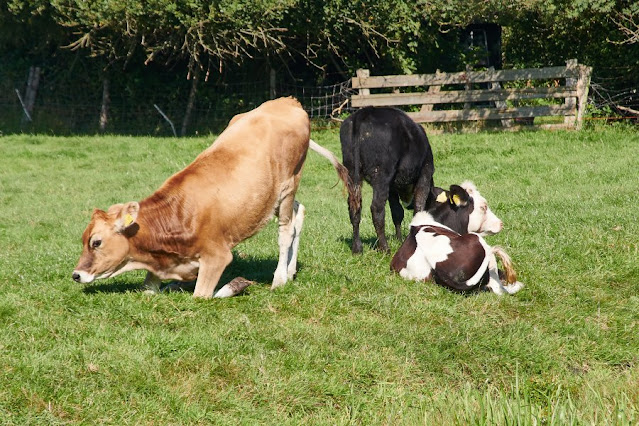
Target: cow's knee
{"type": "Point", "coordinates": [211, 268]}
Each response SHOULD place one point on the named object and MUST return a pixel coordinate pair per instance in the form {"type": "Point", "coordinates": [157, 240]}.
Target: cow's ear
{"type": "Point", "coordinates": [458, 196]}
{"type": "Point", "coordinates": [127, 216]}
{"type": "Point", "coordinates": [442, 197]}
{"type": "Point", "coordinates": [100, 214]}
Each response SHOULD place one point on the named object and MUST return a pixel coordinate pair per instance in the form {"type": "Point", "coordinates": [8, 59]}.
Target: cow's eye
{"type": "Point", "coordinates": [484, 208]}
{"type": "Point", "coordinates": [96, 243]}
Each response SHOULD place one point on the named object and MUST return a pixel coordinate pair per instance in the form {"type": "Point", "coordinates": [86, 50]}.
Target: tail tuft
{"type": "Point", "coordinates": [514, 287]}
{"type": "Point", "coordinates": [511, 275]}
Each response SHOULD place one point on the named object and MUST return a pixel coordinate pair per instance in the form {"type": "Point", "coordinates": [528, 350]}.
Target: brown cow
{"type": "Point", "coordinates": [187, 228]}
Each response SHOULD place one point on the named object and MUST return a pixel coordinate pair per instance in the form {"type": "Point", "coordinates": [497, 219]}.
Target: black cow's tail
{"type": "Point", "coordinates": [342, 171]}
{"type": "Point", "coordinates": [352, 146]}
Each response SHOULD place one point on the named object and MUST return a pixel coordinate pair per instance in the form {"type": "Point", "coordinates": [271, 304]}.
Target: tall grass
{"type": "Point", "coordinates": [347, 342]}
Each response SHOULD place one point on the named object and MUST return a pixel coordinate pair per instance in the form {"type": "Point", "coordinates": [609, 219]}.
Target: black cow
{"type": "Point", "coordinates": [385, 147]}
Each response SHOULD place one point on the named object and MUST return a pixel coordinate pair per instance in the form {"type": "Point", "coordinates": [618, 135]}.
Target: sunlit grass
{"type": "Point", "coordinates": [347, 341]}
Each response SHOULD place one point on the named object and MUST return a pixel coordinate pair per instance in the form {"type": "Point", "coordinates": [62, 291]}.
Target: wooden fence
{"type": "Point", "coordinates": [506, 95]}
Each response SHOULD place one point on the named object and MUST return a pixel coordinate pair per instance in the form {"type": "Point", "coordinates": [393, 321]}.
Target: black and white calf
{"type": "Point", "coordinates": [463, 209]}
{"type": "Point", "coordinates": [460, 260]}
{"type": "Point", "coordinates": [385, 147]}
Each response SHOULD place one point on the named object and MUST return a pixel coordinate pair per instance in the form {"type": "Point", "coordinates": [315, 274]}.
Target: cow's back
{"type": "Point", "coordinates": [234, 185]}
{"type": "Point", "coordinates": [387, 137]}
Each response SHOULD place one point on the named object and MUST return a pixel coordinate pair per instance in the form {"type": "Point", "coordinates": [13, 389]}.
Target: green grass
{"type": "Point", "coordinates": [347, 342]}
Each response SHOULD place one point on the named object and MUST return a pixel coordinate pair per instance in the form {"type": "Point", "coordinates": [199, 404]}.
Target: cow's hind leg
{"type": "Point", "coordinates": [211, 267]}
{"type": "Point", "coordinates": [298, 221]}
{"type": "Point", "coordinates": [355, 214]}
{"type": "Point", "coordinates": [423, 188]}
{"type": "Point", "coordinates": [397, 212]}
{"type": "Point", "coordinates": [378, 211]}
{"type": "Point", "coordinates": [286, 239]}
{"type": "Point", "coordinates": [494, 283]}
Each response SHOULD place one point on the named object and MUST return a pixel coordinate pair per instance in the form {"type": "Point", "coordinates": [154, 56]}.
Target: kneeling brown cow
{"type": "Point", "coordinates": [187, 228]}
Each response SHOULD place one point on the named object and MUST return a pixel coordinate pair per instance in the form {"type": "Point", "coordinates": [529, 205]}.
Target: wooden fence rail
{"type": "Point", "coordinates": [481, 95]}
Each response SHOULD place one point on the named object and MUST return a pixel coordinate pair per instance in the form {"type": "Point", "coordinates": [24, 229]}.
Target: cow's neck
{"type": "Point", "coordinates": [166, 231]}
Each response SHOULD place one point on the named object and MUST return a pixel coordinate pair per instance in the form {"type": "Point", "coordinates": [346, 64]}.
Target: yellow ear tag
{"type": "Point", "coordinates": [441, 198]}
{"type": "Point", "coordinates": [456, 200]}
{"type": "Point", "coordinates": [128, 220]}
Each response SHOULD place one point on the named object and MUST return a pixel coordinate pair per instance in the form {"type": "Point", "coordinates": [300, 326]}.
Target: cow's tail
{"type": "Point", "coordinates": [342, 171]}
{"type": "Point", "coordinates": [512, 285]}
{"type": "Point", "coordinates": [352, 145]}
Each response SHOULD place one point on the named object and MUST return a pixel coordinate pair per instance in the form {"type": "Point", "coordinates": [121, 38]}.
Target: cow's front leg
{"type": "Point", "coordinates": [152, 283]}
{"type": "Point", "coordinates": [211, 267]}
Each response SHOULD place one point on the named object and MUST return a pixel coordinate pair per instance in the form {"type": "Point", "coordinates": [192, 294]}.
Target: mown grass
{"type": "Point", "coordinates": [347, 342]}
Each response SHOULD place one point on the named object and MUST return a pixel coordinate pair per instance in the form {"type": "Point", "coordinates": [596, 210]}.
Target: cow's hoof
{"type": "Point", "coordinates": [278, 282]}
{"type": "Point", "coordinates": [384, 250]}
{"type": "Point", "coordinates": [233, 288]}
{"type": "Point", "coordinates": [172, 288]}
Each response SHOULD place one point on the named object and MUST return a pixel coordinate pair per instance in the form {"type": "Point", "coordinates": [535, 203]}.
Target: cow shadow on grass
{"type": "Point", "coordinates": [257, 270]}
{"type": "Point", "coordinates": [113, 287]}
{"type": "Point", "coordinates": [367, 243]}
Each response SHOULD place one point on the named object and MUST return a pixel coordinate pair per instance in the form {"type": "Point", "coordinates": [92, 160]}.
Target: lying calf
{"type": "Point", "coordinates": [462, 262]}
{"type": "Point", "coordinates": [463, 209]}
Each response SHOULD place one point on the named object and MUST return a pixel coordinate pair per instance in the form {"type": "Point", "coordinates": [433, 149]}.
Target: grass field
{"type": "Point", "coordinates": [347, 342]}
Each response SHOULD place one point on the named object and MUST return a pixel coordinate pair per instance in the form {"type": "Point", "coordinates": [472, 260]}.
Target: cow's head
{"type": "Point", "coordinates": [463, 209]}
{"type": "Point", "coordinates": [105, 242]}
{"type": "Point", "coordinates": [482, 219]}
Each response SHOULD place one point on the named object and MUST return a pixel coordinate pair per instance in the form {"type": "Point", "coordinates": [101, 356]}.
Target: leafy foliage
{"type": "Point", "coordinates": [333, 37]}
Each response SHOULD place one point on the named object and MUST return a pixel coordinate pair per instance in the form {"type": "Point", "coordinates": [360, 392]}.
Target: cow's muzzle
{"type": "Point", "coordinates": [82, 277]}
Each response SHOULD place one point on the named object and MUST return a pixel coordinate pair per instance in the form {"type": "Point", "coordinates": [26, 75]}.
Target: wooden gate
{"type": "Point", "coordinates": [505, 95]}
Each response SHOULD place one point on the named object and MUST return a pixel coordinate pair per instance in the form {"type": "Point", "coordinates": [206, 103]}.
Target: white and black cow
{"type": "Point", "coordinates": [385, 147]}
{"type": "Point", "coordinates": [459, 261]}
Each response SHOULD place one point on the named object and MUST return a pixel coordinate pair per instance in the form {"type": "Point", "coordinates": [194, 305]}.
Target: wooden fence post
{"type": "Point", "coordinates": [432, 89]}
{"type": "Point", "coordinates": [583, 83]}
{"type": "Point", "coordinates": [467, 86]}
{"type": "Point", "coordinates": [571, 83]}
{"type": "Point", "coordinates": [361, 74]}
{"type": "Point", "coordinates": [496, 85]}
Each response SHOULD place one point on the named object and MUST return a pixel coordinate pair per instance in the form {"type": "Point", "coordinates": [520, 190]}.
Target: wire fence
{"type": "Point", "coordinates": [62, 107]}
{"type": "Point", "coordinates": [66, 106]}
